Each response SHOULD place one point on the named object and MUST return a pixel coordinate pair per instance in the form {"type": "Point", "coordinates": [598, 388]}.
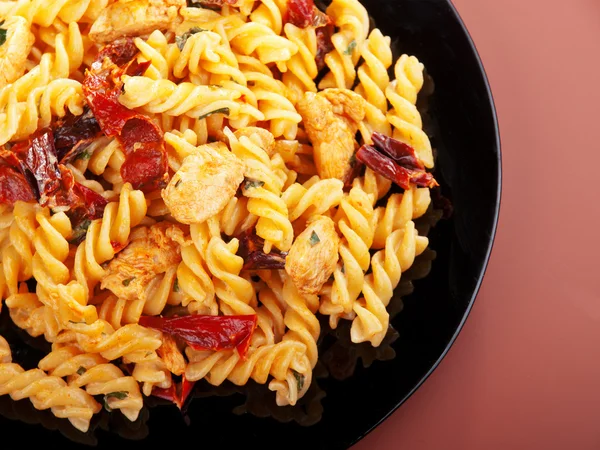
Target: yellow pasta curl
{"type": "Point", "coordinates": [263, 189]}
{"type": "Point", "coordinates": [46, 391]}
{"type": "Point", "coordinates": [404, 117]}
{"type": "Point", "coordinates": [372, 319]}
{"type": "Point", "coordinates": [285, 361]}
{"type": "Point", "coordinates": [355, 222]}
{"type": "Point", "coordinates": [97, 376]}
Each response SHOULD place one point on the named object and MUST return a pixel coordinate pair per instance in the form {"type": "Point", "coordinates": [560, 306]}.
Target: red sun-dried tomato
{"type": "Point", "coordinates": [14, 187]}
{"type": "Point", "coordinates": [386, 167]}
{"type": "Point", "coordinates": [207, 332]}
{"type": "Point", "coordinates": [146, 165]}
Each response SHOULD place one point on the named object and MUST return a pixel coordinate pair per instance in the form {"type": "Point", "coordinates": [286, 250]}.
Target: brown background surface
{"type": "Point", "coordinates": [525, 371]}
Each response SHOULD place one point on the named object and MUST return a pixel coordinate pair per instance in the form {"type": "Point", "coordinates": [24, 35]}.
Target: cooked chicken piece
{"type": "Point", "coordinates": [15, 49]}
{"type": "Point", "coordinates": [171, 355]}
{"type": "Point", "coordinates": [135, 18]}
{"type": "Point", "coordinates": [261, 137]}
{"type": "Point", "coordinates": [313, 256]}
{"type": "Point", "coordinates": [331, 118]}
{"type": "Point", "coordinates": [151, 252]}
{"type": "Point", "coordinates": [204, 184]}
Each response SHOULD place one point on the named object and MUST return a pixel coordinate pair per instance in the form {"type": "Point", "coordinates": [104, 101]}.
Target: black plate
{"type": "Point", "coordinates": [462, 122]}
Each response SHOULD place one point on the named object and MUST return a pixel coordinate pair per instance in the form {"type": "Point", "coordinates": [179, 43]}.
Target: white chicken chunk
{"type": "Point", "coordinates": [313, 256]}
{"type": "Point", "coordinates": [151, 252]}
{"type": "Point", "coordinates": [17, 41]}
{"type": "Point", "coordinates": [135, 18]}
{"type": "Point", "coordinates": [331, 118]}
{"type": "Point", "coordinates": [171, 355]}
{"type": "Point", "coordinates": [203, 185]}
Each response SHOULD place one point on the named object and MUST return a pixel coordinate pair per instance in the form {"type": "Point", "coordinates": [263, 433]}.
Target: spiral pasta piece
{"type": "Point", "coordinates": [132, 342]}
{"type": "Point", "coordinates": [352, 20]}
{"type": "Point", "coordinates": [41, 12]}
{"type": "Point", "coordinates": [31, 315]}
{"type": "Point", "coordinates": [164, 96]}
{"type": "Point", "coordinates": [374, 78]}
{"type": "Point", "coordinates": [355, 222]}
{"type": "Point", "coordinates": [285, 361]}
{"type": "Point", "coordinates": [208, 52]}
{"type": "Point", "coordinates": [302, 67]}
{"type": "Point", "coordinates": [372, 318]}
{"type": "Point", "coordinates": [264, 188]}
{"type": "Point", "coordinates": [21, 102]}
{"type": "Point", "coordinates": [404, 116]}
{"type": "Point", "coordinates": [236, 294]}
{"type": "Point", "coordinates": [193, 277]}
{"type": "Point", "coordinates": [256, 38]}
{"type": "Point", "coordinates": [301, 320]}
{"type": "Point", "coordinates": [272, 97]}
{"type": "Point", "coordinates": [105, 235]}
{"type": "Point", "coordinates": [17, 249]}
{"type": "Point", "coordinates": [399, 209]}
{"type": "Point", "coordinates": [46, 391]}
{"type": "Point", "coordinates": [314, 197]}
{"type": "Point", "coordinates": [97, 376]}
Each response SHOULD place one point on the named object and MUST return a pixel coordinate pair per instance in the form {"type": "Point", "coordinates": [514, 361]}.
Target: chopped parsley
{"type": "Point", "coordinates": [351, 47]}
{"type": "Point", "coordinates": [81, 370]}
{"type": "Point", "coordinates": [181, 40]}
{"type": "Point", "coordinates": [85, 155]}
{"type": "Point", "coordinates": [3, 33]}
{"type": "Point", "coordinates": [178, 182]}
{"type": "Point", "coordinates": [119, 395]}
{"type": "Point", "coordinates": [79, 232]}
{"type": "Point", "coordinates": [176, 285]}
{"type": "Point", "coordinates": [128, 281]}
{"type": "Point", "coordinates": [216, 111]}
{"type": "Point", "coordinates": [314, 239]}
{"type": "Point", "coordinates": [250, 184]}
{"type": "Point", "coordinates": [299, 379]}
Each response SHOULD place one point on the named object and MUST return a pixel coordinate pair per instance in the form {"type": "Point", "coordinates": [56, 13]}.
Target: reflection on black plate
{"type": "Point", "coordinates": [346, 399]}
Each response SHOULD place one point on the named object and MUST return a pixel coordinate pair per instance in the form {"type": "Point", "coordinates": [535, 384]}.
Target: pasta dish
{"type": "Point", "coordinates": [186, 187]}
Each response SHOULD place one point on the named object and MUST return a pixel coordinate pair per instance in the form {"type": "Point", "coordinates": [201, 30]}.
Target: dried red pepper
{"type": "Point", "coordinates": [38, 161]}
{"type": "Point", "coordinates": [73, 134]}
{"type": "Point", "coordinates": [178, 393]}
{"type": "Point", "coordinates": [324, 44]}
{"type": "Point", "coordinates": [251, 250]}
{"type": "Point", "coordinates": [14, 187]}
{"type": "Point", "coordinates": [304, 13]}
{"type": "Point", "coordinates": [145, 166]}
{"type": "Point", "coordinates": [400, 152]}
{"type": "Point", "coordinates": [300, 12]}
{"type": "Point", "coordinates": [386, 167]}
{"type": "Point", "coordinates": [207, 332]}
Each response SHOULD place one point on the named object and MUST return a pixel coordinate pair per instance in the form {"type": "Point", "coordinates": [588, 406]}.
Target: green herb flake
{"type": "Point", "coordinates": [81, 370]}
{"type": "Point", "coordinates": [79, 232]}
{"type": "Point", "coordinates": [176, 285]}
{"type": "Point", "coordinates": [251, 184]}
{"type": "Point", "coordinates": [216, 111]}
{"type": "Point", "coordinates": [178, 183]}
{"type": "Point", "coordinates": [76, 323]}
{"type": "Point", "coordinates": [128, 281]}
{"type": "Point", "coordinates": [314, 239]}
{"type": "Point", "coordinates": [181, 40]}
{"type": "Point", "coordinates": [299, 379]}
{"type": "Point", "coordinates": [84, 155]}
{"type": "Point", "coordinates": [3, 35]}
{"type": "Point", "coordinates": [351, 47]}
{"type": "Point", "coordinates": [121, 395]}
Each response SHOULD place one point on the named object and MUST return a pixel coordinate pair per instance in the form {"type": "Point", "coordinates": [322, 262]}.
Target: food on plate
{"type": "Point", "coordinates": [185, 187]}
